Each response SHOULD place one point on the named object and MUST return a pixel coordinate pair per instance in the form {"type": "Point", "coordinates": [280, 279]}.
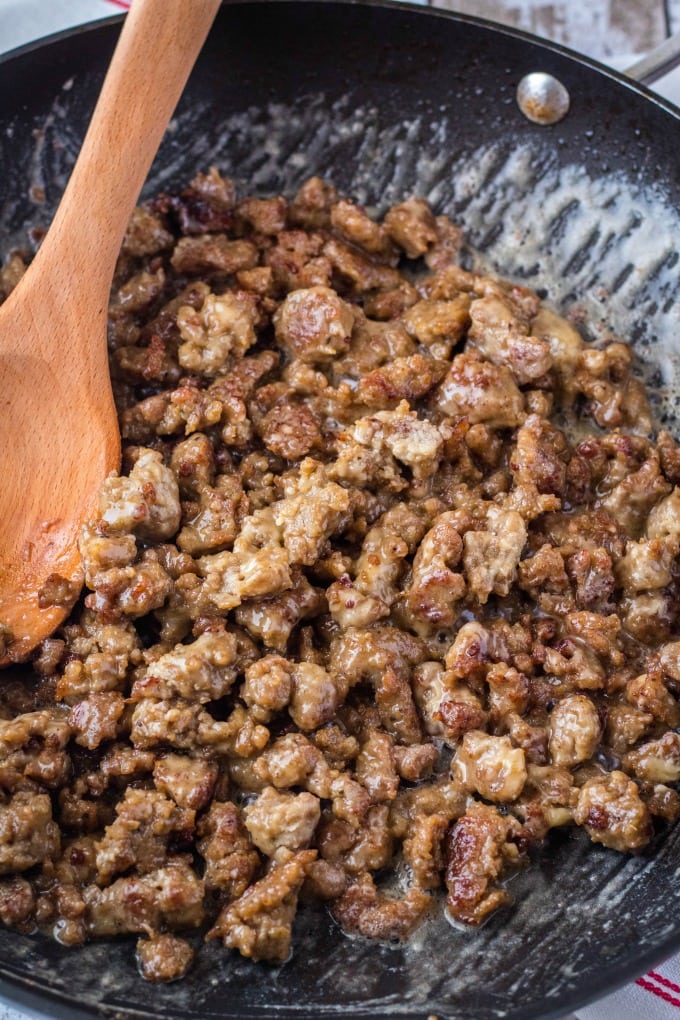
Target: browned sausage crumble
{"type": "Point", "coordinates": [390, 581]}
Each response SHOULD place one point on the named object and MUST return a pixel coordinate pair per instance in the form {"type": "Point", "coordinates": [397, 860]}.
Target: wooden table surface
{"type": "Point", "coordinates": [598, 28]}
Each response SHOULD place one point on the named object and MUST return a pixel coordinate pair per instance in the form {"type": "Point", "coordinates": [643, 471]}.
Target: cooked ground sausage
{"type": "Point", "coordinates": [386, 547]}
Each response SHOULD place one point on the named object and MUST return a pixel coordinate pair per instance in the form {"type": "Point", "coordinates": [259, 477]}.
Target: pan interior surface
{"type": "Point", "coordinates": [388, 102]}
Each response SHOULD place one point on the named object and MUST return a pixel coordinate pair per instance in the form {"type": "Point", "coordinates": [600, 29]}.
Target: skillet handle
{"type": "Point", "coordinates": [657, 63]}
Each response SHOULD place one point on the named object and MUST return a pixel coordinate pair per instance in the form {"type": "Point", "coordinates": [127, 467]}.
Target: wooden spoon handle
{"type": "Point", "coordinates": [59, 427]}
{"type": "Point", "coordinates": [154, 56]}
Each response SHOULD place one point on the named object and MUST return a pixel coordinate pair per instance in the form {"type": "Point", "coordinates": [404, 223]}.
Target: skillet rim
{"type": "Point", "coordinates": [30, 995]}
{"type": "Point", "coordinates": [35, 997]}
{"type": "Point", "coordinates": [424, 9]}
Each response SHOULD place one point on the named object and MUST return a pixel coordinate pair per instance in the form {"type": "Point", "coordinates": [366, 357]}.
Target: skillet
{"type": "Point", "coordinates": [386, 101]}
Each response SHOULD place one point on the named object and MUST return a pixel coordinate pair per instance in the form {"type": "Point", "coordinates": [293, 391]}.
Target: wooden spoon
{"type": "Point", "coordinates": [57, 419]}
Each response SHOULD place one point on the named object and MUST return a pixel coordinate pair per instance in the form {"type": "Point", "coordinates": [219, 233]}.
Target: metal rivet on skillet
{"type": "Point", "coordinates": [542, 98]}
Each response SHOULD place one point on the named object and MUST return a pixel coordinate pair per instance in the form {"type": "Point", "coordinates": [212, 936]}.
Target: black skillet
{"type": "Point", "coordinates": [386, 101]}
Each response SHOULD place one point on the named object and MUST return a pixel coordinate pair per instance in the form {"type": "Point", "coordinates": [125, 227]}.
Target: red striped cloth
{"type": "Point", "coordinates": [655, 996]}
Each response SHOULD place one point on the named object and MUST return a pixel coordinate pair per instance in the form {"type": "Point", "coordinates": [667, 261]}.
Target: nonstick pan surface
{"type": "Point", "coordinates": [387, 101]}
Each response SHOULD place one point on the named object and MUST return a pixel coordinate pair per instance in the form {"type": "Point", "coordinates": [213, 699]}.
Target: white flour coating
{"type": "Point", "coordinates": [598, 243]}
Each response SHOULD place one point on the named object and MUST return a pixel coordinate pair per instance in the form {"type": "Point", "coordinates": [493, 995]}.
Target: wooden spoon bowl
{"type": "Point", "coordinates": [59, 427]}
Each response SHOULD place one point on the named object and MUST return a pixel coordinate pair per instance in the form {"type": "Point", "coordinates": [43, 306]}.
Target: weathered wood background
{"type": "Point", "coordinates": [599, 28]}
